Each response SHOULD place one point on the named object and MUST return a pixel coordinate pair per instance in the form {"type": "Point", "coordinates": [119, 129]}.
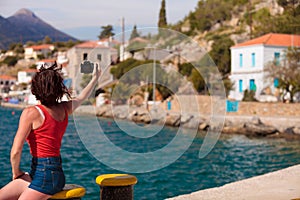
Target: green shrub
{"type": "Point", "coordinates": [249, 95]}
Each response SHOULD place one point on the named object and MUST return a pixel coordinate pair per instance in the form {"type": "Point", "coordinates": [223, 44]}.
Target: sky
{"type": "Point", "coordinates": [85, 16]}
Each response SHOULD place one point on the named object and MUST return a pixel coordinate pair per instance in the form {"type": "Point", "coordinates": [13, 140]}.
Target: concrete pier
{"type": "Point", "coordinates": [279, 185]}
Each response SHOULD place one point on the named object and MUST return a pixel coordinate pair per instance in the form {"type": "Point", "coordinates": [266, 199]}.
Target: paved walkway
{"type": "Point", "coordinates": [279, 185]}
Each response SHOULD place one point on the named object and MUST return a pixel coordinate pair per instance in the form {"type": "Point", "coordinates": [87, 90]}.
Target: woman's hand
{"type": "Point", "coordinates": [18, 174]}
{"type": "Point", "coordinates": [97, 71]}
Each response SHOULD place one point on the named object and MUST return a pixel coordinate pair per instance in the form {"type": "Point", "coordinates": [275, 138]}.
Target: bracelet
{"type": "Point", "coordinates": [20, 176]}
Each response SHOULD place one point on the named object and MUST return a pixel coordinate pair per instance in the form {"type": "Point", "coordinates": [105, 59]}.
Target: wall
{"type": "Point", "coordinates": [277, 109]}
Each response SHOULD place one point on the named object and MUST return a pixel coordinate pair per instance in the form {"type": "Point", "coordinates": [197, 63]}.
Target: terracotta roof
{"type": "Point", "coordinates": [90, 45]}
{"type": "Point", "coordinates": [7, 77]}
{"type": "Point", "coordinates": [273, 39]}
{"type": "Point", "coordinates": [42, 46]}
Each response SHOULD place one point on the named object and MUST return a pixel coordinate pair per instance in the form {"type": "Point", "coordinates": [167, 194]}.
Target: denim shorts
{"type": "Point", "coordinates": [47, 175]}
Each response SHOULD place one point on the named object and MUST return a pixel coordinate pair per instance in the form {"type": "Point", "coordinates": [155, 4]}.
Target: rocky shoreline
{"type": "Point", "coordinates": [251, 126]}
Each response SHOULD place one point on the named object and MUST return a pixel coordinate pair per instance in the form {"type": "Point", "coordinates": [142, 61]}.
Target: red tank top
{"type": "Point", "coordinates": [45, 141]}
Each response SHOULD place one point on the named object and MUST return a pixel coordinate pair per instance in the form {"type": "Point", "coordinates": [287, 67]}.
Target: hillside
{"type": "Point", "coordinates": [240, 20]}
{"type": "Point", "coordinates": [25, 26]}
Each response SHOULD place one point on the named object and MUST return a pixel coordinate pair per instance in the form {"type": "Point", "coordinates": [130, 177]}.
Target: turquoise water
{"type": "Point", "coordinates": [233, 158]}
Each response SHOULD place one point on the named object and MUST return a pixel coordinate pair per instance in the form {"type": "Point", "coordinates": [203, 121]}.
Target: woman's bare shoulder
{"type": "Point", "coordinates": [68, 106]}
{"type": "Point", "coordinates": [30, 112]}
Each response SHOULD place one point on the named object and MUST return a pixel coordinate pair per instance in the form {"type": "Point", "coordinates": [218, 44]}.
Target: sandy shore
{"type": "Point", "coordinates": [279, 185]}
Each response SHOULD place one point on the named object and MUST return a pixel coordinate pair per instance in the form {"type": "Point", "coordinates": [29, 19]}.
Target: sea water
{"type": "Point", "coordinates": [233, 158]}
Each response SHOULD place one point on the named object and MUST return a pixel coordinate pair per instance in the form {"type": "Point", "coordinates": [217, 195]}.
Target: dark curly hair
{"type": "Point", "coordinates": [47, 85]}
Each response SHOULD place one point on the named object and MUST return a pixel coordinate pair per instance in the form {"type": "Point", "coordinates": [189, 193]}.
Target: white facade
{"type": "Point", "coordinates": [88, 51]}
{"type": "Point", "coordinates": [25, 76]}
{"type": "Point", "coordinates": [6, 82]}
{"type": "Point", "coordinates": [32, 52]}
{"type": "Point", "coordinates": [247, 68]}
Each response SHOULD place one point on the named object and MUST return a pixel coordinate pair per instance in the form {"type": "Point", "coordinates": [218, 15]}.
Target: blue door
{"type": "Point", "coordinates": [276, 82]}
{"type": "Point", "coordinates": [241, 85]}
{"type": "Point", "coordinates": [252, 85]}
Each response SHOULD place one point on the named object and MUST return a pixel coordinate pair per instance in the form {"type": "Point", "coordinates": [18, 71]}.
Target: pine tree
{"type": "Point", "coordinates": [162, 15]}
{"type": "Point", "coordinates": [134, 33]}
{"type": "Point", "coordinates": [107, 31]}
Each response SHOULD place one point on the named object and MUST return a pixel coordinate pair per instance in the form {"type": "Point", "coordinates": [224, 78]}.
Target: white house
{"type": "Point", "coordinates": [32, 52]}
{"type": "Point", "coordinates": [249, 59]}
{"type": "Point", "coordinates": [6, 82]}
{"type": "Point", "coordinates": [25, 76]}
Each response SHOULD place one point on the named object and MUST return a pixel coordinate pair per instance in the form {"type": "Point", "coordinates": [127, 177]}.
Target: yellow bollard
{"type": "Point", "coordinates": [71, 192]}
{"type": "Point", "coordinates": [116, 186]}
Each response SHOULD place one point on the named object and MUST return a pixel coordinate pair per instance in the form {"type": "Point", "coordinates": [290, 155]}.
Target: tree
{"type": "Point", "coordinates": [249, 95]}
{"type": "Point", "coordinates": [209, 13]}
{"type": "Point", "coordinates": [162, 22]}
{"type": "Point", "coordinates": [10, 60]}
{"type": "Point", "coordinates": [86, 78]}
{"type": "Point", "coordinates": [134, 77]}
{"type": "Point", "coordinates": [107, 31]}
{"type": "Point", "coordinates": [220, 53]}
{"type": "Point", "coordinates": [17, 48]}
{"type": "Point", "coordinates": [134, 33]}
{"type": "Point", "coordinates": [286, 73]}
{"type": "Point", "coordinates": [47, 40]}
{"type": "Point", "coordinates": [186, 69]}
{"type": "Point", "coordinates": [290, 6]}
{"type": "Point", "coordinates": [228, 86]}
{"type": "Point", "coordinates": [197, 80]}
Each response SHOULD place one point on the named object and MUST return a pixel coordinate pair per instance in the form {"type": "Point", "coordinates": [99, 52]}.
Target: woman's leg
{"type": "Point", "coordinates": [15, 188]}
{"type": "Point", "coordinates": [33, 195]}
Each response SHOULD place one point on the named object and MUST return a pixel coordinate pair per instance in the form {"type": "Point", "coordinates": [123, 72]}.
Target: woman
{"type": "Point", "coordinates": [43, 127]}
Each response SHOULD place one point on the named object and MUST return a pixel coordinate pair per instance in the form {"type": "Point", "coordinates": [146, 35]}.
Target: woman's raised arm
{"type": "Point", "coordinates": [86, 92]}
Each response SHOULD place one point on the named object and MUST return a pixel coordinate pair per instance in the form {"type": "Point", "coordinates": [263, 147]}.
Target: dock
{"type": "Point", "coordinates": [279, 185]}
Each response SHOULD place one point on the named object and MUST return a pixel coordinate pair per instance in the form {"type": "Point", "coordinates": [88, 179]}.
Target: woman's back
{"type": "Point", "coordinates": [45, 140]}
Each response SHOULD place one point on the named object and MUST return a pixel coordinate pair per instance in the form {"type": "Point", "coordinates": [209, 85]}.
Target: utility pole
{"type": "Point", "coordinates": [122, 48]}
{"type": "Point", "coordinates": [154, 75]}
{"type": "Point", "coordinates": [123, 31]}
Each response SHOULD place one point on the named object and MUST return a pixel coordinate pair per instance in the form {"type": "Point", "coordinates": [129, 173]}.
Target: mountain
{"type": "Point", "coordinates": [25, 26]}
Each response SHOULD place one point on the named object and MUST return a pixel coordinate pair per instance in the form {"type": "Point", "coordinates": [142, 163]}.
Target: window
{"type": "Point", "coordinates": [252, 85]}
{"type": "Point", "coordinates": [99, 57]}
{"type": "Point", "coordinates": [240, 85]}
{"type": "Point", "coordinates": [85, 55]}
{"type": "Point", "coordinates": [241, 60]}
{"type": "Point", "coordinates": [277, 58]}
{"type": "Point", "coordinates": [253, 59]}
{"type": "Point", "coordinates": [276, 82]}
